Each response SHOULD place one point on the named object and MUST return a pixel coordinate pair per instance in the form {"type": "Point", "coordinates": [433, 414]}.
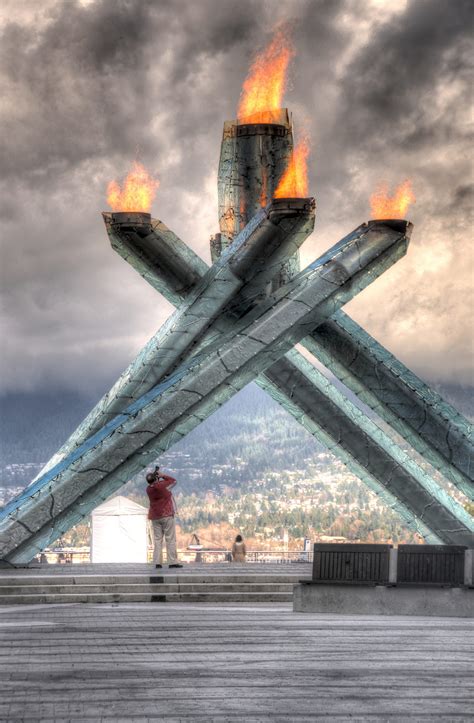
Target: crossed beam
{"type": "Point", "coordinates": [235, 322]}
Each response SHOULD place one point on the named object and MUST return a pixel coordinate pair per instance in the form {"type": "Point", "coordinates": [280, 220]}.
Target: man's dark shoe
{"type": "Point", "coordinates": [158, 567]}
{"type": "Point", "coordinates": [177, 565]}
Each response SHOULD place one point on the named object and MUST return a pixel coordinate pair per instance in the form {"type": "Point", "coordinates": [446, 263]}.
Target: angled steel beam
{"type": "Point", "coordinates": [159, 256]}
{"type": "Point", "coordinates": [367, 450]}
{"type": "Point", "coordinates": [432, 426]}
{"type": "Point", "coordinates": [200, 385]}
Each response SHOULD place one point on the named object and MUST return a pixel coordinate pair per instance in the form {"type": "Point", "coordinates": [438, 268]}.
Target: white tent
{"type": "Point", "coordinates": [119, 531]}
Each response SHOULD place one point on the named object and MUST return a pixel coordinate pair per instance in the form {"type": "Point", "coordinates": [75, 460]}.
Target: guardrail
{"type": "Point", "coordinates": [68, 556]}
{"type": "Point", "coordinates": [260, 556]}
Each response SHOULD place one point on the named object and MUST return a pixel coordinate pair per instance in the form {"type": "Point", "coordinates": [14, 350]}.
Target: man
{"type": "Point", "coordinates": [161, 514]}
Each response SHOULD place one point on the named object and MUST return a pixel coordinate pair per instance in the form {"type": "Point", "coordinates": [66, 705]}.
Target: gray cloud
{"type": "Point", "coordinates": [394, 79]}
{"type": "Point", "coordinates": [383, 89]}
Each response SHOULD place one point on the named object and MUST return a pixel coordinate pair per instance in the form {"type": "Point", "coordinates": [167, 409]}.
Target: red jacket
{"type": "Point", "coordinates": [161, 499]}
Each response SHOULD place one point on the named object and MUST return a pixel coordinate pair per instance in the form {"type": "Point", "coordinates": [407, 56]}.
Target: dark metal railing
{"type": "Point", "coordinates": [253, 556]}
{"type": "Point", "coordinates": [69, 556]}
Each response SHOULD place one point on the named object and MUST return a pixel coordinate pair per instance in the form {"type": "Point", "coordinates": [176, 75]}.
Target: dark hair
{"type": "Point", "coordinates": [239, 538]}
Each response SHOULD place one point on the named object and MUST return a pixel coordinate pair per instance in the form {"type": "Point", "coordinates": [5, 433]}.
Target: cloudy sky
{"type": "Point", "coordinates": [383, 86]}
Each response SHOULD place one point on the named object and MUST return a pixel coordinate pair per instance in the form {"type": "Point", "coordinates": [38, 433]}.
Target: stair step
{"type": "Point", "coordinates": [151, 588]}
{"type": "Point", "coordinates": [212, 597]}
{"type": "Point", "coordinates": [35, 580]}
{"type": "Point", "coordinates": [106, 585]}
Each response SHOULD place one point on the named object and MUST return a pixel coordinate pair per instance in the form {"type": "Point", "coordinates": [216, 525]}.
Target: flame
{"type": "Point", "coordinates": [384, 206]}
{"type": "Point", "coordinates": [265, 84]}
{"type": "Point", "coordinates": [137, 192]}
{"type": "Point", "coordinates": [294, 182]}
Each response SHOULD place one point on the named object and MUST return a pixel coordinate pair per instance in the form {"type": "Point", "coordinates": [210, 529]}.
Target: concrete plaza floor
{"type": "Point", "coordinates": [252, 663]}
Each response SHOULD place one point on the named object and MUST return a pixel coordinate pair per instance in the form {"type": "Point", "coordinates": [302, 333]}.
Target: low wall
{"type": "Point", "coordinates": [309, 597]}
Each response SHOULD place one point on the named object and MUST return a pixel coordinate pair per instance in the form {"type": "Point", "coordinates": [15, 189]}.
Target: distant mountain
{"type": "Point", "coordinates": [34, 425]}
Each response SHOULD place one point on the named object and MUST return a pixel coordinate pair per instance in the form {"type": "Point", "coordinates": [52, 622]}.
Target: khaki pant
{"type": "Point", "coordinates": [164, 526]}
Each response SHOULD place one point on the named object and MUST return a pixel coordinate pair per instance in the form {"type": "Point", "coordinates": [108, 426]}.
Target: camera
{"type": "Point", "coordinates": [153, 476]}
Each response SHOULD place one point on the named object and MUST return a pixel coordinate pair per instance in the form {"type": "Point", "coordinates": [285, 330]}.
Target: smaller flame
{"type": "Point", "coordinates": [384, 206]}
{"type": "Point", "coordinates": [294, 182]}
{"type": "Point", "coordinates": [137, 193]}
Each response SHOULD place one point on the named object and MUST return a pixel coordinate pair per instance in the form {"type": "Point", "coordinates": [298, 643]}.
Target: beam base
{"type": "Point", "coordinates": [451, 602]}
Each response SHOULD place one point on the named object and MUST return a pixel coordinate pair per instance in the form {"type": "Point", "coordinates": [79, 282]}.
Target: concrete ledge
{"type": "Point", "coordinates": [452, 602]}
{"type": "Point", "coordinates": [469, 568]}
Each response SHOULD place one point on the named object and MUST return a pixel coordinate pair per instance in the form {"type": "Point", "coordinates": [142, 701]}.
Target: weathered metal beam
{"type": "Point", "coordinates": [161, 416]}
{"type": "Point", "coordinates": [432, 426]}
{"type": "Point", "coordinates": [159, 256]}
{"type": "Point", "coordinates": [367, 450]}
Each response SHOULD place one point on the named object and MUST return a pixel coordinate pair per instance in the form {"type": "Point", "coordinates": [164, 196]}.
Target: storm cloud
{"type": "Point", "coordinates": [384, 88]}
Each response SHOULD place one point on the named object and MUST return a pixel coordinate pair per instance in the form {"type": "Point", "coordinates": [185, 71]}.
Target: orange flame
{"type": "Point", "coordinates": [294, 182]}
{"type": "Point", "coordinates": [137, 193]}
{"type": "Point", "coordinates": [384, 206]}
{"type": "Point", "coordinates": [265, 84]}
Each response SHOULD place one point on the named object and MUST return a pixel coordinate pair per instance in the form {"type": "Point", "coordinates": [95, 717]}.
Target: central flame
{"type": "Point", "coordinates": [137, 193]}
{"type": "Point", "coordinates": [294, 182]}
{"type": "Point", "coordinates": [263, 89]}
{"type": "Point", "coordinates": [384, 206]}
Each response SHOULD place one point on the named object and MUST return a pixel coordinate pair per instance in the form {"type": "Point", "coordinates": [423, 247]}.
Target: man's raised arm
{"type": "Point", "coordinates": [169, 481]}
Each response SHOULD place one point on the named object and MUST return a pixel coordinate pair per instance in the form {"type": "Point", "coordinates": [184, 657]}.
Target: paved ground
{"type": "Point", "coordinates": [201, 663]}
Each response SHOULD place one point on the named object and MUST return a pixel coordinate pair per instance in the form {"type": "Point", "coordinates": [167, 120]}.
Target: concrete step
{"type": "Point", "coordinates": [230, 585]}
{"type": "Point", "coordinates": [151, 588]}
{"type": "Point", "coordinates": [161, 575]}
{"type": "Point", "coordinates": [122, 597]}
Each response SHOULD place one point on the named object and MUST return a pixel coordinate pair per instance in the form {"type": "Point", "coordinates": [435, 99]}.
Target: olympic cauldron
{"type": "Point", "coordinates": [238, 321]}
